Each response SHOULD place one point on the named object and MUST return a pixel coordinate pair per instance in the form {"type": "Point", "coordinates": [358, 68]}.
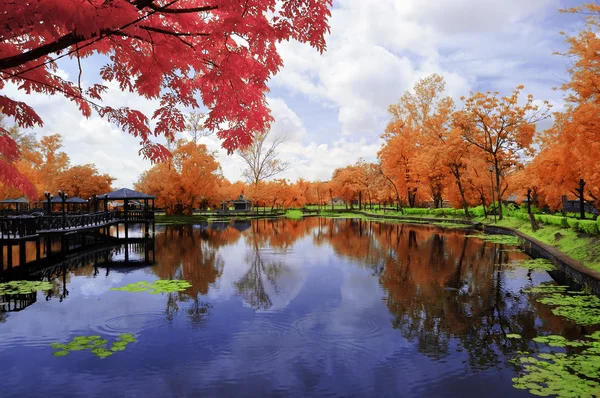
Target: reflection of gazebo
{"type": "Point", "coordinates": [130, 197]}
{"type": "Point", "coordinates": [19, 203]}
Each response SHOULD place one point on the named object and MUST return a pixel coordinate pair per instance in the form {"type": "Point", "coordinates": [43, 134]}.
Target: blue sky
{"type": "Point", "coordinates": [332, 107]}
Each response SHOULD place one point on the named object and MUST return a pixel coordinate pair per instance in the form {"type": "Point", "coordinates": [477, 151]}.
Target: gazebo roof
{"type": "Point", "coordinates": [125, 193]}
{"type": "Point", "coordinates": [22, 199]}
{"type": "Point", "coordinates": [76, 199]}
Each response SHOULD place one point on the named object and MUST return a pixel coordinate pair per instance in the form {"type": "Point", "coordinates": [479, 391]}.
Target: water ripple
{"type": "Point", "coordinates": [135, 322]}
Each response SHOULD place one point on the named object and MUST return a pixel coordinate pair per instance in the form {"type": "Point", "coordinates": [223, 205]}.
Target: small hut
{"type": "Point", "coordinates": [241, 204]}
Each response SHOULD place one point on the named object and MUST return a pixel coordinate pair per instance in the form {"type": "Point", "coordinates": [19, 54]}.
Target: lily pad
{"type": "Point", "coordinates": [498, 239]}
{"type": "Point", "coordinates": [560, 374]}
{"type": "Point", "coordinates": [156, 287]}
{"type": "Point", "coordinates": [23, 287]}
{"type": "Point", "coordinates": [580, 307]}
{"type": "Point", "coordinates": [94, 344]}
{"type": "Point", "coordinates": [537, 264]}
{"type": "Point", "coordinates": [514, 336]}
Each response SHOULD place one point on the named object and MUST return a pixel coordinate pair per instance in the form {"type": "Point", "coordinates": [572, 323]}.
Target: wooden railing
{"type": "Point", "coordinates": [15, 227]}
{"type": "Point", "coordinates": [49, 223]}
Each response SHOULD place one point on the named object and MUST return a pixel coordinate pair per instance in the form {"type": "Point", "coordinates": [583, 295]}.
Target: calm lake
{"type": "Point", "coordinates": [315, 307]}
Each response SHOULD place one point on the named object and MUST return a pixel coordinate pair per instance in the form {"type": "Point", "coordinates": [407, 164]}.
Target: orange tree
{"type": "Point", "coordinates": [501, 129]}
{"type": "Point", "coordinates": [189, 179]}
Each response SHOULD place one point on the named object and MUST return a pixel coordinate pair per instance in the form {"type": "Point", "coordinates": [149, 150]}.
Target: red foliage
{"type": "Point", "coordinates": [222, 51]}
{"type": "Point", "coordinates": [9, 175]}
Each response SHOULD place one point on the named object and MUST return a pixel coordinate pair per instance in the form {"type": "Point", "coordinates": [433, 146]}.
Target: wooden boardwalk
{"type": "Point", "coordinates": [70, 231]}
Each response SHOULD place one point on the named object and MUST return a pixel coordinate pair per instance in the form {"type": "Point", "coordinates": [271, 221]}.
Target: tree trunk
{"type": "Point", "coordinates": [482, 197]}
{"type": "Point", "coordinates": [462, 194]}
{"type": "Point", "coordinates": [498, 190]}
{"type": "Point", "coordinates": [580, 191]}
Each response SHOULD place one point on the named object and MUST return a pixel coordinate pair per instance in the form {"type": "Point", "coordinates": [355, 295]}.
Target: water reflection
{"type": "Point", "coordinates": [309, 307]}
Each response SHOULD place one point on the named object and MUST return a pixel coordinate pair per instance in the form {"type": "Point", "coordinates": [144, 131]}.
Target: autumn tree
{"type": "Point", "coordinates": [84, 181]}
{"type": "Point", "coordinates": [10, 177]}
{"type": "Point", "coordinates": [188, 180]}
{"type": "Point", "coordinates": [501, 129]}
{"type": "Point", "coordinates": [262, 157]}
{"type": "Point", "coordinates": [571, 148]}
{"type": "Point", "coordinates": [183, 53]}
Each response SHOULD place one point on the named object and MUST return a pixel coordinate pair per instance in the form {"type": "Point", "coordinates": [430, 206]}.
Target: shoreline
{"type": "Point", "coordinates": [584, 275]}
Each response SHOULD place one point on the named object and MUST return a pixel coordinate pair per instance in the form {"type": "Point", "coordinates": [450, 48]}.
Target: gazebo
{"type": "Point", "coordinates": [241, 204]}
{"type": "Point", "coordinates": [19, 202]}
{"type": "Point", "coordinates": [69, 201]}
{"type": "Point", "coordinates": [128, 196]}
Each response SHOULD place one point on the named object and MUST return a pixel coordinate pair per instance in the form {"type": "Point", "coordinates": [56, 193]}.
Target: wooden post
{"type": "Point", "coordinates": [125, 213]}
{"type": "Point", "coordinates": [37, 248]}
{"type": "Point", "coordinates": [48, 242]}
{"type": "Point", "coordinates": [22, 252]}
{"type": "Point", "coordinates": [9, 263]}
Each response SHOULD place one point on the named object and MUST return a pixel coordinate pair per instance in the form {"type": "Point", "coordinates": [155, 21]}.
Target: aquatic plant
{"type": "Point", "coordinates": [513, 336]}
{"type": "Point", "coordinates": [498, 239]}
{"type": "Point", "coordinates": [546, 288]}
{"type": "Point", "coordinates": [95, 344]}
{"type": "Point", "coordinates": [561, 374]}
{"type": "Point", "coordinates": [23, 287]}
{"type": "Point", "coordinates": [536, 264]}
{"type": "Point", "coordinates": [580, 307]}
{"type": "Point", "coordinates": [156, 287]}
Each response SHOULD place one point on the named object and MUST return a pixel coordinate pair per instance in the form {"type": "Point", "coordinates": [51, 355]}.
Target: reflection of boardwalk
{"type": "Point", "coordinates": [28, 243]}
{"type": "Point", "coordinates": [130, 255]}
{"type": "Point", "coordinates": [16, 302]}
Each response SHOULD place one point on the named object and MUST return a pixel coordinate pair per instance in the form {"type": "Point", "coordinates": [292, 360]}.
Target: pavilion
{"type": "Point", "coordinates": [129, 197]}
{"type": "Point", "coordinates": [19, 203]}
{"type": "Point", "coordinates": [73, 202]}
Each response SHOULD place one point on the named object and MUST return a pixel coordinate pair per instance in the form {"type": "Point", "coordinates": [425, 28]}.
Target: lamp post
{"type": "Point", "coordinates": [491, 168]}
{"type": "Point", "coordinates": [63, 196]}
{"type": "Point", "coordinates": [49, 197]}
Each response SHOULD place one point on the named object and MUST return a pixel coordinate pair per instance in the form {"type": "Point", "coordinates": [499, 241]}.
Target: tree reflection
{"type": "Point", "coordinates": [265, 274]}
{"type": "Point", "coordinates": [191, 253]}
{"type": "Point", "coordinates": [444, 288]}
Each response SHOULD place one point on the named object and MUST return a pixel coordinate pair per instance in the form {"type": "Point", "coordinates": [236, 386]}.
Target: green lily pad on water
{"type": "Point", "coordinates": [561, 374]}
{"type": "Point", "coordinates": [536, 264]}
{"type": "Point", "coordinates": [23, 287]}
{"type": "Point", "coordinates": [513, 336]}
{"type": "Point", "coordinates": [580, 307]}
{"type": "Point", "coordinates": [95, 344]}
{"type": "Point", "coordinates": [156, 287]}
{"type": "Point", "coordinates": [498, 239]}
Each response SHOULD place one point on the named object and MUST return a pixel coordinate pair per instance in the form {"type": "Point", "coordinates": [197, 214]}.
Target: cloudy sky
{"type": "Point", "coordinates": [333, 106]}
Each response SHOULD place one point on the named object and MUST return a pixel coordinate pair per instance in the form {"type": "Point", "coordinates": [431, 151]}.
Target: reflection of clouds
{"type": "Point", "coordinates": [84, 310]}
{"type": "Point", "coordinates": [99, 286]}
{"type": "Point", "coordinates": [328, 331]}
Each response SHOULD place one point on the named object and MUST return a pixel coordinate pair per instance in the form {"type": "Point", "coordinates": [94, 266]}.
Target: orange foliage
{"type": "Point", "coordinates": [189, 180]}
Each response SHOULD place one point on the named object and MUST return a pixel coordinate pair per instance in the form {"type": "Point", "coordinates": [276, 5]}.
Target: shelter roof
{"type": "Point", "coordinates": [125, 193]}
{"type": "Point", "coordinates": [22, 199]}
